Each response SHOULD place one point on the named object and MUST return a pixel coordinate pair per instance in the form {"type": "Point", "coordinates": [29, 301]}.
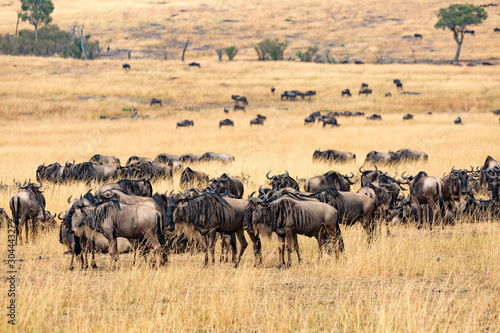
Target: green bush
{"type": "Point", "coordinates": [231, 52]}
{"type": "Point", "coordinates": [270, 49]}
{"type": "Point", "coordinates": [308, 55]}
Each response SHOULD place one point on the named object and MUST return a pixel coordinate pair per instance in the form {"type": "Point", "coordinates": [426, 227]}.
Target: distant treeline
{"type": "Point", "coordinates": [51, 41]}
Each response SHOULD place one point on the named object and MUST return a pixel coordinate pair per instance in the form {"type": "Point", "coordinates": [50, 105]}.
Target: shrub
{"type": "Point", "coordinates": [269, 49]}
{"type": "Point", "coordinates": [231, 52]}
{"type": "Point", "coordinates": [308, 55]}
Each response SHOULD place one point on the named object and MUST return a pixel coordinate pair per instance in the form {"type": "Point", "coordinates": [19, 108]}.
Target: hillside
{"type": "Point", "coordinates": [343, 30]}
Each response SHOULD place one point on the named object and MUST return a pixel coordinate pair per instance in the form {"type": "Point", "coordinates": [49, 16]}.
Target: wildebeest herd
{"type": "Point", "coordinates": [129, 215]}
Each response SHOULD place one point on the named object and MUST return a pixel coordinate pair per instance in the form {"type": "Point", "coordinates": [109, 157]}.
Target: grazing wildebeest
{"type": "Point", "coordinates": [346, 92]}
{"type": "Point", "coordinates": [191, 178]}
{"type": "Point", "coordinates": [364, 85]}
{"type": "Point", "coordinates": [351, 207]}
{"type": "Point", "coordinates": [330, 121]}
{"type": "Point", "coordinates": [156, 101]}
{"type": "Point", "coordinates": [150, 169]}
{"type": "Point", "coordinates": [487, 63]}
{"type": "Point", "coordinates": [458, 121]}
{"type": "Point", "coordinates": [281, 181]}
{"type": "Point", "coordinates": [374, 117]}
{"type": "Point", "coordinates": [190, 158]}
{"type": "Point", "coordinates": [407, 155]}
{"type": "Point", "coordinates": [417, 36]}
{"type": "Point", "coordinates": [378, 157]}
{"type": "Point", "coordinates": [226, 122]}
{"type": "Point", "coordinates": [289, 95]}
{"type": "Point", "coordinates": [53, 173]}
{"type": "Point", "coordinates": [208, 214]}
{"type": "Point", "coordinates": [114, 219]}
{"type": "Point", "coordinates": [398, 83]}
{"type": "Point", "coordinates": [226, 110]}
{"type": "Point", "coordinates": [332, 155]}
{"type": "Point", "coordinates": [388, 94]}
{"type": "Point", "coordinates": [165, 158]}
{"type": "Point", "coordinates": [4, 218]}
{"type": "Point", "coordinates": [137, 159]}
{"type": "Point", "coordinates": [496, 30]}
{"type": "Point", "coordinates": [331, 179]}
{"type": "Point", "coordinates": [261, 117]}
{"type": "Point", "coordinates": [273, 89]}
{"type": "Point", "coordinates": [239, 98]}
{"type": "Point", "coordinates": [239, 107]}
{"type": "Point", "coordinates": [497, 112]}
{"type": "Point", "coordinates": [288, 217]}
{"type": "Point", "coordinates": [471, 32]}
{"type": "Point", "coordinates": [194, 64]}
{"type": "Point", "coordinates": [126, 66]}
{"type": "Point", "coordinates": [365, 91]}
{"type": "Point", "coordinates": [489, 165]}
{"type": "Point", "coordinates": [209, 156]}
{"type": "Point", "coordinates": [408, 117]}
{"type": "Point", "coordinates": [309, 120]}
{"type": "Point", "coordinates": [103, 159]}
{"type": "Point", "coordinates": [256, 121]}
{"type": "Point", "coordinates": [27, 205]}
{"type": "Point", "coordinates": [140, 187]}
{"type": "Point", "coordinates": [225, 184]}
{"type": "Point", "coordinates": [425, 190]}
{"type": "Point", "coordinates": [184, 123]}
{"type": "Point", "coordinates": [309, 93]}
{"type": "Point", "coordinates": [358, 62]}
{"type": "Point", "coordinates": [380, 196]}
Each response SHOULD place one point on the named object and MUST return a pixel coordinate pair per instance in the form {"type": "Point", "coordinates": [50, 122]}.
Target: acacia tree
{"type": "Point", "coordinates": [456, 18]}
{"type": "Point", "coordinates": [37, 12]}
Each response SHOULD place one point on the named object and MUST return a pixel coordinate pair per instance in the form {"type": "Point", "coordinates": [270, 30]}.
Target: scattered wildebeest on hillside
{"type": "Point", "coordinates": [346, 92]}
{"type": "Point", "coordinates": [256, 121]}
{"type": "Point", "coordinates": [374, 117]}
{"type": "Point", "coordinates": [332, 155]}
{"type": "Point", "coordinates": [239, 99]}
{"type": "Point", "coordinates": [458, 121]}
{"type": "Point", "coordinates": [194, 64]}
{"type": "Point", "coordinates": [239, 107]}
{"type": "Point", "coordinates": [398, 84]}
{"type": "Point", "coordinates": [126, 66]}
{"type": "Point", "coordinates": [185, 123]}
{"type": "Point", "coordinates": [365, 91]}
{"type": "Point", "coordinates": [408, 117]}
{"type": "Point", "coordinates": [156, 101]}
{"type": "Point", "coordinates": [226, 122]}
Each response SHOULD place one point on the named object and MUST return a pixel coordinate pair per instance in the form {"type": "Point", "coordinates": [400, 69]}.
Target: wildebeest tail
{"type": "Point", "coordinates": [160, 230]}
{"type": "Point", "coordinates": [15, 203]}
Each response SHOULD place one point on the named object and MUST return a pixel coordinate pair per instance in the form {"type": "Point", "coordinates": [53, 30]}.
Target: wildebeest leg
{"type": "Point", "coordinates": [113, 250]}
{"type": "Point", "coordinates": [281, 250]}
{"type": "Point", "coordinates": [152, 240]}
{"type": "Point", "coordinates": [289, 245]}
{"type": "Point", "coordinates": [92, 251]}
{"type": "Point", "coordinates": [212, 238]}
{"type": "Point", "coordinates": [296, 246]}
{"type": "Point", "coordinates": [419, 214]}
{"type": "Point", "coordinates": [243, 244]}
{"type": "Point", "coordinates": [72, 248]}
{"type": "Point", "coordinates": [257, 246]}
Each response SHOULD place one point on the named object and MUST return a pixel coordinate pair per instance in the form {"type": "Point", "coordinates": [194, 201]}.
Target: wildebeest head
{"type": "Point", "coordinates": [281, 181]}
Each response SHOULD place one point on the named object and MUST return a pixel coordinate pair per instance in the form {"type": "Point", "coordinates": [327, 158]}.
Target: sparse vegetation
{"type": "Point", "coordinates": [270, 49]}
{"type": "Point", "coordinates": [231, 52]}
{"type": "Point", "coordinates": [308, 55]}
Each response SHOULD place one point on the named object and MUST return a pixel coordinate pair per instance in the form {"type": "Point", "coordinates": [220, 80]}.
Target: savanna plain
{"type": "Point", "coordinates": [412, 280]}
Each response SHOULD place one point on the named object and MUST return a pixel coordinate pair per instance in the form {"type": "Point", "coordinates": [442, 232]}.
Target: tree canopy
{"type": "Point", "coordinates": [456, 18]}
{"type": "Point", "coordinates": [37, 12]}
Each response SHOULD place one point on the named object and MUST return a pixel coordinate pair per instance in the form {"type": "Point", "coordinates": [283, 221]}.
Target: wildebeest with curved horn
{"type": "Point", "coordinates": [208, 214]}
{"type": "Point", "coordinates": [140, 187]}
{"type": "Point", "coordinates": [281, 181]}
{"type": "Point", "coordinates": [425, 190]}
{"type": "Point", "coordinates": [332, 155]}
{"type": "Point", "coordinates": [288, 217]}
{"type": "Point", "coordinates": [27, 205]}
{"type": "Point", "coordinates": [53, 173]}
{"type": "Point", "coordinates": [455, 184]}
{"type": "Point", "coordinates": [226, 122]}
{"type": "Point", "coordinates": [225, 184]}
{"type": "Point", "coordinates": [346, 92]}
{"type": "Point", "coordinates": [192, 178]}
{"type": "Point", "coordinates": [330, 179]}
{"type": "Point", "coordinates": [114, 219]}
{"type": "Point", "coordinates": [489, 164]}
{"type": "Point", "coordinates": [103, 159]}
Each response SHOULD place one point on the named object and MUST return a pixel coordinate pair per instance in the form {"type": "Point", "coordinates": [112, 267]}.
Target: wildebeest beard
{"type": "Point", "coordinates": [207, 210]}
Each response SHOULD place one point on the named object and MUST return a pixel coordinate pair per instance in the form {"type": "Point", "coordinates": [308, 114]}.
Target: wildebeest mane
{"type": "Point", "coordinates": [95, 215]}
{"type": "Point", "coordinates": [278, 212]}
{"type": "Point", "coordinates": [206, 207]}
{"type": "Point", "coordinates": [332, 197]}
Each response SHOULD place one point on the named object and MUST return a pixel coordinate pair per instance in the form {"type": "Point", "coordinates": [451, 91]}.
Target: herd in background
{"type": "Point", "coordinates": [128, 216]}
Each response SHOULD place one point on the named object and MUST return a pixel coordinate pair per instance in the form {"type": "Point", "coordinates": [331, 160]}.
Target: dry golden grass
{"type": "Point", "coordinates": [414, 280]}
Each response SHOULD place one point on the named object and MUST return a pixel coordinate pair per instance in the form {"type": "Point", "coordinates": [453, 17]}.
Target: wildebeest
{"type": "Point", "coordinates": [471, 32]}
{"type": "Point", "coordinates": [281, 181]}
{"type": "Point", "coordinates": [239, 107]}
{"type": "Point", "coordinates": [27, 205]}
{"type": "Point", "coordinates": [458, 121]}
{"type": "Point", "coordinates": [288, 217]}
{"type": "Point", "coordinates": [208, 214]}
{"type": "Point", "coordinates": [192, 178]}
{"type": "Point", "coordinates": [398, 83]}
{"type": "Point", "coordinates": [346, 92]}
{"type": "Point", "coordinates": [53, 173]}
{"type": "Point", "coordinates": [289, 95]}
{"type": "Point", "coordinates": [489, 165]}
{"type": "Point", "coordinates": [114, 219]}
{"type": "Point", "coordinates": [194, 64]}
{"type": "Point", "coordinates": [425, 190]}
{"type": "Point", "coordinates": [497, 112]}
{"type": "Point", "coordinates": [165, 158]}
{"type": "Point", "coordinates": [378, 157]}
{"type": "Point", "coordinates": [365, 91]}
{"type": "Point", "coordinates": [226, 110]}
{"type": "Point", "coordinates": [309, 94]}
{"type": "Point", "coordinates": [330, 121]}
{"type": "Point", "coordinates": [224, 158]}
{"type": "Point", "coordinates": [184, 123]}
{"type": "Point", "coordinates": [374, 117]}
{"type": "Point", "coordinates": [273, 89]}
{"type": "Point", "coordinates": [4, 218]}
{"type": "Point", "coordinates": [256, 121]}
{"type": "Point", "coordinates": [408, 117]}
{"type": "Point", "coordinates": [137, 159]}
{"type": "Point", "coordinates": [189, 157]}
{"type": "Point", "coordinates": [126, 66]}
{"type": "Point", "coordinates": [455, 184]}
{"type": "Point", "coordinates": [150, 170]}
{"type": "Point", "coordinates": [226, 122]}
{"type": "Point", "coordinates": [496, 30]}
{"type": "Point", "coordinates": [140, 187]}
{"type": "Point", "coordinates": [417, 36]}
{"type": "Point", "coordinates": [156, 101]}
{"type": "Point", "coordinates": [103, 159]}
{"type": "Point", "coordinates": [309, 120]}
{"type": "Point", "coordinates": [225, 184]}
{"type": "Point", "coordinates": [332, 155]}
{"type": "Point", "coordinates": [407, 155]}
{"type": "Point", "coordinates": [331, 179]}
{"type": "Point", "coordinates": [239, 98]}
{"type": "Point", "coordinates": [388, 94]}
{"type": "Point", "coordinates": [351, 207]}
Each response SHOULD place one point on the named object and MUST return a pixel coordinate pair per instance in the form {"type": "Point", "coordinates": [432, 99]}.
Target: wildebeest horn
{"type": "Point", "coordinates": [453, 169]}
{"type": "Point", "coordinates": [352, 175]}
{"type": "Point", "coordinates": [376, 169]}
{"type": "Point", "coordinates": [287, 173]}
{"type": "Point", "coordinates": [224, 176]}
{"type": "Point", "coordinates": [471, 169]}
{"type": "Point", "coordinates": [69, 199]}
{"type": "Point", "coordinates": [59, 217]}
{"type": "Point", "coordinates": [23, 187]}
{"type": "Point", "coordinates": [361, 167]}
{"type": "Point", "coordinates": [267, 175]}
{"type": "Point", "coordinates": [251, 194]}
{"type": "Point", "coordinates": [260, 190]}
{"type": "Point", "coordinates": [403, 175]}
{"type": "Point", "coordinates": [38, 186]}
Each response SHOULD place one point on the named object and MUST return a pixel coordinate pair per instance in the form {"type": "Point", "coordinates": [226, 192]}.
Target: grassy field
{"type": "Point", "coordinates": [414, 280]}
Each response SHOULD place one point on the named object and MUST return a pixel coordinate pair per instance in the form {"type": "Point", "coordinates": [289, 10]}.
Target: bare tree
{"type": "Point", "coordinates": [82, 38]}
